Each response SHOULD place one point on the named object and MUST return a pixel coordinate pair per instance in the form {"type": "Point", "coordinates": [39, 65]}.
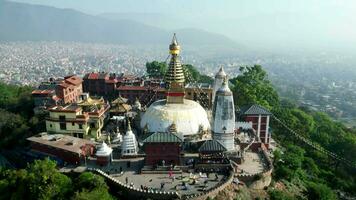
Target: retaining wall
{"type": "Point", "coordinates": [260, 180]}
{"type": "Point", "coordinates": [213, 191]}
{"type": "Point", "coordinates": [135, 192]}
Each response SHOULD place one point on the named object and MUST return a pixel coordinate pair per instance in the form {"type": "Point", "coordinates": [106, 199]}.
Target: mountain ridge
{"type": "Point", "coordinates": [30, 22]}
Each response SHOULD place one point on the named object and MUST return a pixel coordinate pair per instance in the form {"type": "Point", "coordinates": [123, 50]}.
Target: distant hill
{"type": "Point", "coordinates": [27, 22]}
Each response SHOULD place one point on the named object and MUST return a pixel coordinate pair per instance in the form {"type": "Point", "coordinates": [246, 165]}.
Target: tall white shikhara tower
{"type": "Point", "coordinates": [223, 125]}
{"type": "Point", "coordinates": [219, 79]}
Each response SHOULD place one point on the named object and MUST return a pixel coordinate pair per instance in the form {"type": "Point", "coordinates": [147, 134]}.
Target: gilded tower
{"type": "Point", "coordinates": [175, 113]}
{"type": "Point", "coordinates": [175, 75]}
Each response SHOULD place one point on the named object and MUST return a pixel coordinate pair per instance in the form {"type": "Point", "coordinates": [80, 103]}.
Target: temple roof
{"type": "Point", "coordinates": [103, 150]}
{"type": "Point", "coordinates": [162, 137]}
{"type": "Point", "coordinates": [120, 108]}
{"type": "Point", "coordinates": [212, 146]}
{"type": "Point", "coordinates": [254, 110]}
{"type": "Point", "coordinates": [91, 101]}
{"type": "Point", "coordinates": [119, 100]}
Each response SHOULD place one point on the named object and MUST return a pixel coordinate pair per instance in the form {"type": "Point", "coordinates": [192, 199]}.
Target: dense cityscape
{"type": "Point", "coordinates": [316, 87]}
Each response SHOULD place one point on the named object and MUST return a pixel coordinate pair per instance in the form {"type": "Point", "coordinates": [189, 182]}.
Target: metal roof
{"type": "Point", "coordinates": [161, 137]}
{"type": "Point", "coordinates": [212, 146]}
{"type": "Point", "coordinates": [255, 110]}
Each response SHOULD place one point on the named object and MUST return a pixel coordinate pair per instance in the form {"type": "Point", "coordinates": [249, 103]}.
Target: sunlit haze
{"type": "Point", "coordinates": [273, 24]}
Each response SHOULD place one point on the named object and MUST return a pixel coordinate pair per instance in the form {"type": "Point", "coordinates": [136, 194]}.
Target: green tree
{"type": "Point", "coordinates": [319, 191]}
{"type": "Point", "coordinates": [193, 75]}
{"type": "Point", "coordinates": [16, 99]}
{"type": "Point", "coordinates": [279, 195]}
{"type": "Point", "coordinates": [13, 128]}
{"type": "Point", "coordinates": [289, 164]}
{"type": "Point", "coordinates": [46, 182]}
{"type": "Point", "coordinates": [95, 194]}
{"type": "Point", "coordinates": [156, 69]}
{"type": "Point", "coordinates": [91, 181]}
{"type": "Point", "coordinates": [13, 184]}
{"type": "Point", "coordinates": [253, 87]}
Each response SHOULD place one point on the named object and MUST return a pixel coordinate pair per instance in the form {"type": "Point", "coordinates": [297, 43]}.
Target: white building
{"type": "Point", "coordinates": [129, 146]}
{"type": "Point", "coordinates": [103, 154]}
{"type": "Point", "coordinates": [224, 117]}
{"type": "Point", "coordinates": [218, 81]}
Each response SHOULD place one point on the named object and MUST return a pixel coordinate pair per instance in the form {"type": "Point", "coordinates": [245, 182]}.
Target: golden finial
{"type": "Point", "coordinates": [174, 46]}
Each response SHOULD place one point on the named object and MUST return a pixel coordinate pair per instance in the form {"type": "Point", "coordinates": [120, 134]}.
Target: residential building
{"type": "Point", "coordinates": [83, 120]}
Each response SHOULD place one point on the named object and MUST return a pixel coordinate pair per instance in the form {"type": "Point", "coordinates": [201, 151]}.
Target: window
{"type": "Point", "coordinates": [63, 126]}
{"type": "Point", "coordinates": [62, 117]}
{"type": "Point", "coordinates": [80, 126]}
{"type": "Point", "coordinates": [50, 125]}
{"type": "Point", "coordinates": [73, 124]}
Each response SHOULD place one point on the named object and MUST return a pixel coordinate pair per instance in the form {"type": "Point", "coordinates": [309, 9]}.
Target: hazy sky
{"type": "Point", "coordinates": [222, 8]}
{"type": "Point", "coordinates": [263, 22]}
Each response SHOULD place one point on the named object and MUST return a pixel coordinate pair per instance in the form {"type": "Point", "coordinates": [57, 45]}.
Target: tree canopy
{"type": "Point", "coordinates": [193, 75]}
{"type": "Point", "coordinates": [156, 69]}
{"type": "Point", "coordinates": [42, 180]}
{"type": "Point", "coordinates": [253, 87]}
{"type": "Point", "coordinates": [17, 120]}
{"type": "Point", "coordinates": [296, 161]}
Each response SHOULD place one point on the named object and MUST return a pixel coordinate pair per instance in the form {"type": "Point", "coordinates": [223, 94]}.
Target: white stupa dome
{"type": "Point", "coordinates": [187, 117]}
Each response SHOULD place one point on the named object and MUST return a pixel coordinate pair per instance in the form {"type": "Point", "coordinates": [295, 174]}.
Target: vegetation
{"type": "Point", "coordinates": [41, 180]}
{"type": "Point", "coordinates": [296, 162]}
{"type": "Point", "coordinates": [253, 87]}
{"type": "Point", "coordinates": [16, 115]}
{"type": "Point", "coordinates": [156, 69]}
{"type": "Point", "coordinates": [193, 75]}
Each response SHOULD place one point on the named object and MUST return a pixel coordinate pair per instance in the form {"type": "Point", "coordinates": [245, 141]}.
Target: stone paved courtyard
{"type": "Point", "coordinates": [252, 165]}
{"type": "Point", "coordinates": [154, 181]}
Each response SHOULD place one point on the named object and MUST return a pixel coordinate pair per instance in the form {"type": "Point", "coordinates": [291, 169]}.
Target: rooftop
{"type": "Point", "coordinates": [74, 80]}
{"type": "Point", "coordinates": [212, 146]}
{"type": "Point", "coordinates": [42, 92]}
{"type": "Point", "coordinates": [160, 137]}
{"type": "Point", "coordinates": [59, 141]}
{"type": "Point", "coordinates": [67, 108]}
{"type": "Point", "coordinates": [254, 110]}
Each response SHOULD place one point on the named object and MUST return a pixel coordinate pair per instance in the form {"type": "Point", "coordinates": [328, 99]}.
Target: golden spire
{"type": "Point", "coordinates": [175, 70]}
{"type": "Point", "coordinates": [175, 75]}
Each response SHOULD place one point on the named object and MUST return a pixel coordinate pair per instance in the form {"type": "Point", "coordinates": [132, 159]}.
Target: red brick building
{"type": "Point", "coordinates": [145, 94]}
{"type": "Point", "coordinates": [69, 89]}
{"type": "Point", "coordinates": [259, 117]}
{"type": "Point", "coordinates": [100, 84]}
{"type": "Point", "coordinates": [162, 147]}
{"type": "Point", "coordinates": [58, 91]}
